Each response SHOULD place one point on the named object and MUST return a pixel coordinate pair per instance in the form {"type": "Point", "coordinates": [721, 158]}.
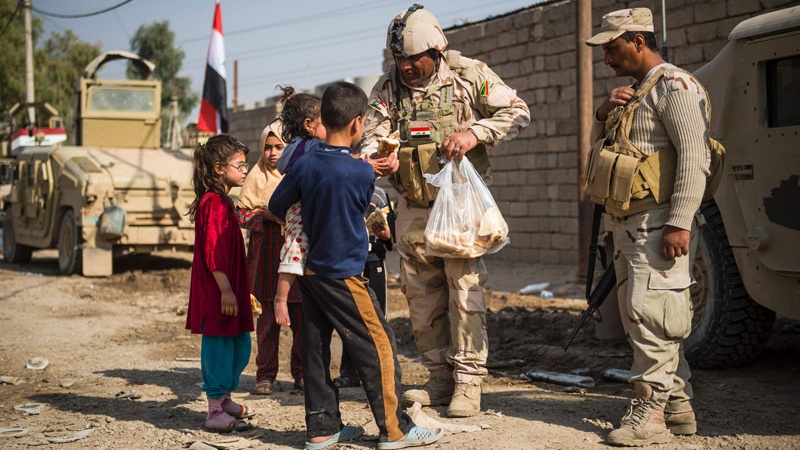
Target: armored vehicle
{"type": "Point", "coordinates": [114, 192]}
{"type": "Point", "coordinates": [747, 265]}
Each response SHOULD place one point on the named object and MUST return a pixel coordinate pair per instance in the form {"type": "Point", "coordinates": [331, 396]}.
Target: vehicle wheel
{"type": "Point", "coordinates": [13, 252]}
{"type": "Point", "coordinates": [729, 328]}
{"type": "Point", "coordinates": [69, 252]}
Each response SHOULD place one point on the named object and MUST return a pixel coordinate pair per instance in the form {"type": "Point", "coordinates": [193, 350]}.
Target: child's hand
{"type": "Point", "coordinates": [268, 216]}
{"type": "Point", "coordinates": [229, 306]}
{"type": "Point", "coordinates": [282, 312]}
{"type": "Point", "coordinates": [381, 230]}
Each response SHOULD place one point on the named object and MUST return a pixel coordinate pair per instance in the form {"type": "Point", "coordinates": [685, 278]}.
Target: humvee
{"type": "Point", "coordinates": [747, 265]}
{"type": "Point", "coordinates": [114, 192]}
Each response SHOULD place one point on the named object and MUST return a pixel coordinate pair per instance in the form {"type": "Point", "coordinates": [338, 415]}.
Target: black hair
{"type": "Point", "coordinates": [341, 103]}
{"type": "Point", "coordinates": [217, 149]}
{"type": "Point", "coordinates": [296, 109]}
{"type": "Point", "coordinates": [649, 38]}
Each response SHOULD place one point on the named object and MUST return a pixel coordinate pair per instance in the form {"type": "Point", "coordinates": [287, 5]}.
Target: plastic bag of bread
{"type": "Point", "coordinates": [464, 221]}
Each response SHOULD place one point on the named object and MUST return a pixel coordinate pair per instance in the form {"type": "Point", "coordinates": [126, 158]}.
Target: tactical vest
{"type": "Point", "coordinates": [423, 126]}
{"type": "Point", "coordinates": [626, 180]}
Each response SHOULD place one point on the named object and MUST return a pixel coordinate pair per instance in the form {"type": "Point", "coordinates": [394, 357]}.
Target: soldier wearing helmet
{"type": "Point", "coordinates": [444, 106]}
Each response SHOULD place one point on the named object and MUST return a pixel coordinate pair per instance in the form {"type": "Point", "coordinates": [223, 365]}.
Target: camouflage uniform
{"type": "Point", "coordinates": [445, 296]}
{"type": "Point", "coordinates": [661, 130]}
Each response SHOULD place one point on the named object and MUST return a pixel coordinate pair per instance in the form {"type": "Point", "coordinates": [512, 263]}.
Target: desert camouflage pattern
{"type": "Point", "coordinates": [482, 102]}
{"type": "Point", "coordinates": [654, 302]}
{"type": "Point", "coordinates": [445, 301]}
{"type": "Point", "coordinates": [422, 33]}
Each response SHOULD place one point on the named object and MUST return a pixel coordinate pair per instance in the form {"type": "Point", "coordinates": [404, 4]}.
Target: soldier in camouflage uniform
{"type": "Point", "coordinates": [445, 106]}
{"type": "Point", "coordinates": [649, 168]}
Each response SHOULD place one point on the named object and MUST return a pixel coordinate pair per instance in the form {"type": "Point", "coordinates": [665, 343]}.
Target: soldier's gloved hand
{"type": "Point", "coordinates": [618, 96]}
{"type": "Point", "coordinates": [675, 242]}
{"type": "Point", "coordinates": [458, 144]}
{"type": "Point", "coordinates": [383, 164]}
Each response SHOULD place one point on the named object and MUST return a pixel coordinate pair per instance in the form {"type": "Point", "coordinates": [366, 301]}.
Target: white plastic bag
{"type": "Point", "coordinates": [464, 221]}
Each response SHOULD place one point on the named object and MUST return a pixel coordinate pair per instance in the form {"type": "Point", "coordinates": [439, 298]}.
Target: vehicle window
{"type": "Point", "coordinates": [121, 100]}
{"type": "Point", "coordinates": [783, 92]}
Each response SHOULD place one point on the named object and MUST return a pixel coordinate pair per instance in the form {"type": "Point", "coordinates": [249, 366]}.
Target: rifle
{"type": "Point", "coordinates": [607, 282]}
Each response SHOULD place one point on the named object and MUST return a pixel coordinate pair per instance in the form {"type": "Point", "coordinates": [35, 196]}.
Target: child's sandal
{"type": "Point", "coordinates": [236, 410]}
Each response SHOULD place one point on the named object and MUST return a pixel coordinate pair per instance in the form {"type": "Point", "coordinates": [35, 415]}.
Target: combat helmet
{"type": "Point", "coordinates": [415, 31]}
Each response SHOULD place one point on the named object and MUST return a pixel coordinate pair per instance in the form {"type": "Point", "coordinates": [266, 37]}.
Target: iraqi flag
{"type": "Point", "coordinates": [213, 106]}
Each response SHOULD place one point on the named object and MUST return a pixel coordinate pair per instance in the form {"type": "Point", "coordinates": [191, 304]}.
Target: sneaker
{"type": "Point", "coordinates": [417, 437]}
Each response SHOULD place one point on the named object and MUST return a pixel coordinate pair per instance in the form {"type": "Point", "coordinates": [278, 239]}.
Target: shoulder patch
{"type": "Point", "coordinates": [377, 104]}
{"type": "Point", "coordinates": [676, 80]}
{"type": "Point", "coordinates": [486, 88]}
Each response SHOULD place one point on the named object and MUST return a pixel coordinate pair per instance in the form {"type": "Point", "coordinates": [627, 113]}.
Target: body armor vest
{"type": "Point", "coordinates": [423, 126]}
{"type": "Point", "coordinates": [626, 180]}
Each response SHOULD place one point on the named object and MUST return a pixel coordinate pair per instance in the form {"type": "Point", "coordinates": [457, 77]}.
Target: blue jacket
{"type": "Point", "coordinates": [336, 190]}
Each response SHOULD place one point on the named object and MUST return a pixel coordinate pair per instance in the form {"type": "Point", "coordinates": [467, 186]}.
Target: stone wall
{"type": "Point", "coordinates": [533, 51]}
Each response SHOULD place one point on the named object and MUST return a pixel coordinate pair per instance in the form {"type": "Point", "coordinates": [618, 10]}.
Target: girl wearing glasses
{"type": "Point", "coordinates": [219, 292]}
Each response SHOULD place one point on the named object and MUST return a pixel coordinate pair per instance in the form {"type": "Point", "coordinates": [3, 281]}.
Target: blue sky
{"type": "Point", "coordinates": [302, 43]}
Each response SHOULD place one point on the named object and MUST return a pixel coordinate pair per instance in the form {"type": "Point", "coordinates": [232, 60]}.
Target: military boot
{"type": "Point", "coordinates": [679, 417]}
{"type": "Point", "coordinates": [466, 400]}
{"type": "Point", "coordinates": [437, 391]}
{"type": "Point", "coordinates": [644, 422]}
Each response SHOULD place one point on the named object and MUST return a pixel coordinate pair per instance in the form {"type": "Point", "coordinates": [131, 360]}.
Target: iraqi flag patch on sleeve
{"type": "Point", "coordinates": [486, 88]}
{"type": "Point", "coordinates": [377, 104]}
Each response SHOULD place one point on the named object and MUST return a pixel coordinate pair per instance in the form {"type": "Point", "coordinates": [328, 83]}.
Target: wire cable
{"type": "Point", "coordinates": [78, 16]}
{"type": "Point", "coordinates": [11, 19]}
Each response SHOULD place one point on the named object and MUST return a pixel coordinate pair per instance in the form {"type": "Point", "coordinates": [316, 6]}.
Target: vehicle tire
{"type": "Point", "coordinates": [69, 252]}
{"type": "Point", "coordinates": [13, 251]}
{"type": "Point", "coordinates": [728, 329]}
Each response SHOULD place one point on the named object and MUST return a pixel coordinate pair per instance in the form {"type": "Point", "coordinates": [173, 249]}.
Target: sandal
{"type": "Point", "coordinates": [263, 388]}
{"type": "Point", "coordinates": [236, 410]}
{"type": "Point", "coordinates": [347, 382]}
{"type": "Point", "coordinates": [300, 385]}
{"type": "Point", "coordinates": [222, 422]}
{"type": "Point", "coordinates": [417, 437]}
{"type": "Point", "coordinates": [346, 434]}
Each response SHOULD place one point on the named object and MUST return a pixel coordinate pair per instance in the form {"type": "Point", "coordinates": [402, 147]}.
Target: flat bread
{"type": "Point", "coordinates": [390, 143]}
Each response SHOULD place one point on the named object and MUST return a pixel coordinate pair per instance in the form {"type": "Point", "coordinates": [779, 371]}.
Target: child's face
{"type": "Point", "coordinates": [273, 147]}
{"type": "Point", "coordinates": [234, 171]}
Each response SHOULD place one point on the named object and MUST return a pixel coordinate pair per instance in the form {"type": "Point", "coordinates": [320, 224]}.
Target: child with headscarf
{"type": "Point", "coordinates": [263, 256]}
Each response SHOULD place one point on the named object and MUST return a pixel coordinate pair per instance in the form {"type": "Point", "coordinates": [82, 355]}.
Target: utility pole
{"type": "Point", "coordinates": [235, 85]}
{"type": "Point", "coordinates": [30, 98]}
{"type": "Point", "coordinates": [585, 93]}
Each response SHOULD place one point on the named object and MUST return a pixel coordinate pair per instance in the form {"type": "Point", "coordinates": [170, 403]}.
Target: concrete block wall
{"type": "Point", "coordinates": [533, 50]}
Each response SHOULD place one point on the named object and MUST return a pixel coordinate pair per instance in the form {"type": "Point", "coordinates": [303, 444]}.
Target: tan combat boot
{"type": "Point", "coordinates": [466, 400]}
{"type": "Point", "coordinates": [644, 422]}
{"type": "Point", "coordinates": [679, 417]}
{"type": "Point", "coordinates": [437, 391]}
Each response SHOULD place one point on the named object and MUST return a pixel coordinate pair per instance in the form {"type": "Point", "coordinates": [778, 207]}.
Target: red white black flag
{"type": "Point", "coordinates": [213, 106]}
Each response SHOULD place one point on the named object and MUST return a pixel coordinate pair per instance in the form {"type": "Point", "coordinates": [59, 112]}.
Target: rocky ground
{"type": "Point", "coordinates": [110, 340]}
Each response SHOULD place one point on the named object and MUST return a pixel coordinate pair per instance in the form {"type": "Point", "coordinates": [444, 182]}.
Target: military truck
{"type": "Point", "coordinates": [114, 192]}
{"type": "Point", "coordinates": [747, 265]}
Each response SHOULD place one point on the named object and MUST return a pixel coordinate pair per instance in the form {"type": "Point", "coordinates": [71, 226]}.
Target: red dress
{"type": "Point", "coordinates": [218, 246]}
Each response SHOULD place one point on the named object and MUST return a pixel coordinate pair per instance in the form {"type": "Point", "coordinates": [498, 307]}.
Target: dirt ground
{"type": "Point", "coordinates": [126, 333]}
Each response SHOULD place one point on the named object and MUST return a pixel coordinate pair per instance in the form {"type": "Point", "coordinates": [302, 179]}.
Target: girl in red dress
{"type": "Point", "coordinates": [219, 292]}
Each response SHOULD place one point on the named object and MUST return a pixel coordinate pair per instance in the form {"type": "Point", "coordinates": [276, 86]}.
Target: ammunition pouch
{"type": "Point", "coordinates": [415, 162]}
{"type": "Point", "coordinates": [615, 177]}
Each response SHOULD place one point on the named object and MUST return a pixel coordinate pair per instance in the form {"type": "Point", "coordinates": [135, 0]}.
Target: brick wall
{"type": "Point", "coordinates": [533, 51]}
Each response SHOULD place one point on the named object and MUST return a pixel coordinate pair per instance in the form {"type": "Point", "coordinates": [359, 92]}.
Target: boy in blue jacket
{"type": "Point", "coordinates": [336, 190]}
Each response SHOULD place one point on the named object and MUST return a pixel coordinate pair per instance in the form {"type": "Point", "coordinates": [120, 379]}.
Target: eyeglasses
{"type": "Point", "coordinates": [241, 167]}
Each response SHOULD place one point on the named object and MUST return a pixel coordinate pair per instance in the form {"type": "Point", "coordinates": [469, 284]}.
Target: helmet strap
{"type": "Point", "coordinates": [396, 30]}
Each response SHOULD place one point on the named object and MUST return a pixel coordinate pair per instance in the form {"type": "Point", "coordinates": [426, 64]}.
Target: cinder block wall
{"type": "Point", "coordinates": [533, 50]}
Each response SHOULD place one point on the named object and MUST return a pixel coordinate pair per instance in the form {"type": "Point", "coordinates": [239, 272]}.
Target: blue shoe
{"type": "Point", "coordinates": [417, 437]}
{"type": "Point", "coordinates": [347, 434]}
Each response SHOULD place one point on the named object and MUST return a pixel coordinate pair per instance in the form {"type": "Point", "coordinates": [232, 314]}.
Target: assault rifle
{"type": "Point", "coordinates": [607, 282]}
